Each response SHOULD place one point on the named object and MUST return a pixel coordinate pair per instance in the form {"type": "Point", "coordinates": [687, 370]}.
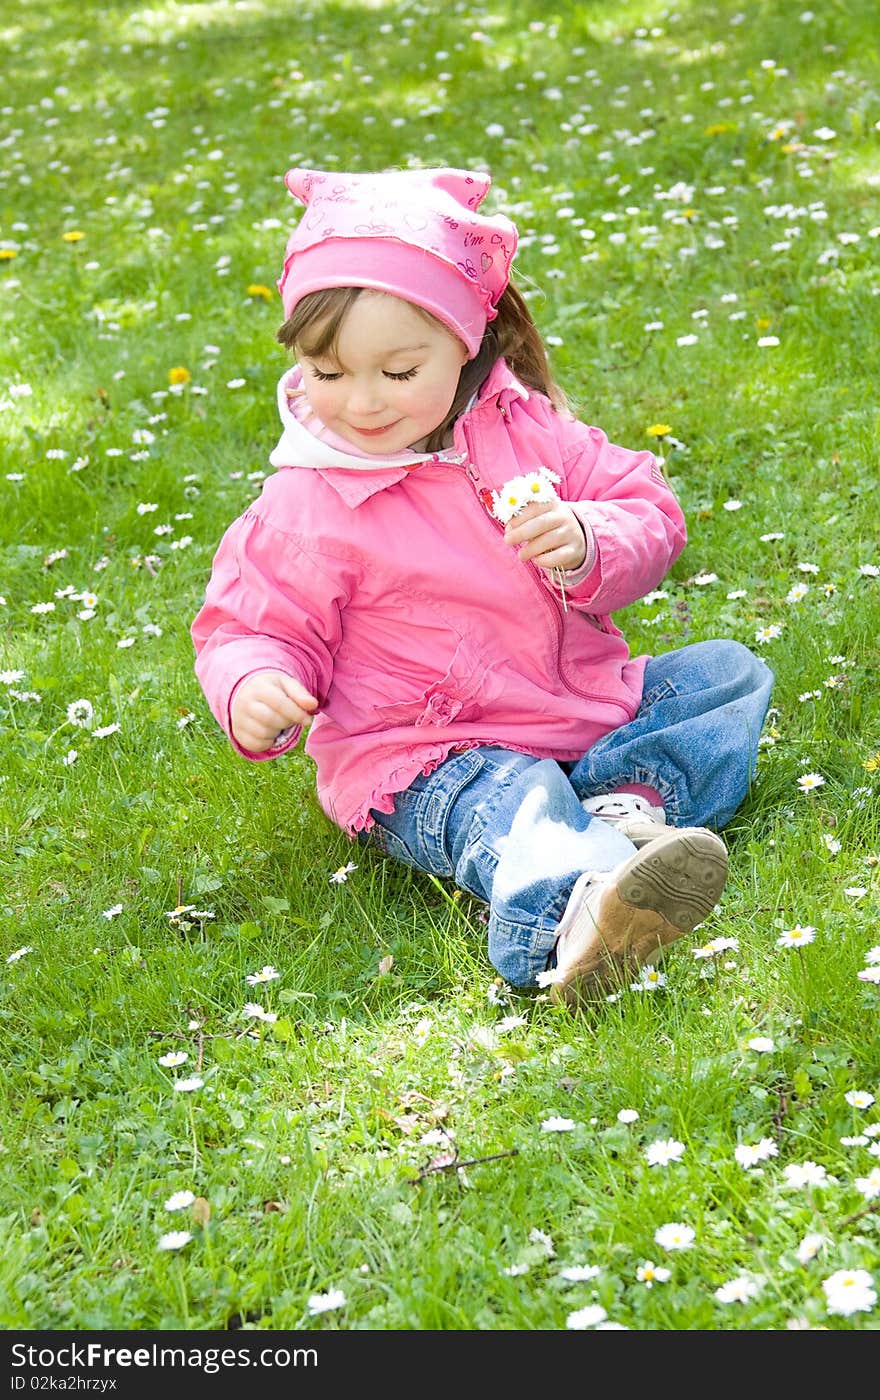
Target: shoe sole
{"type": "Point", "coordinates": [661, 893]}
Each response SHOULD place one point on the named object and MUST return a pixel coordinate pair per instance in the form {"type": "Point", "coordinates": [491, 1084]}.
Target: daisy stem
{"type": "Point", "coordinates": [806, 981]}
{"type": "Point", "coordinates": [195, 1142]}
{"type": "Point", "coordinates": [181, 1288]}
{"type": "Point", "coordinates": [560, 579]}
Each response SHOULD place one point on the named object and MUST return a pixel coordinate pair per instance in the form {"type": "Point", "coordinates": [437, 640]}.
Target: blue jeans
{"type": "Point", "coordinates": [509, 828]}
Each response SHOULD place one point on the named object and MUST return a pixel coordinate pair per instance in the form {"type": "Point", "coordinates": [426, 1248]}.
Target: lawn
{"type": "Point", "coordinates": [256, 1076]}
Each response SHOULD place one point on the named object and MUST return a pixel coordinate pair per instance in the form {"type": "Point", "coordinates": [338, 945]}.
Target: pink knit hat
{"type": "Point", "coordinates": [413, 233]}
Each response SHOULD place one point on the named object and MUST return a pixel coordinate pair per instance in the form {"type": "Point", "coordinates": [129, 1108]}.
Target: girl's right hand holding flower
{"type": "Point", "coordinates": [266, 704]}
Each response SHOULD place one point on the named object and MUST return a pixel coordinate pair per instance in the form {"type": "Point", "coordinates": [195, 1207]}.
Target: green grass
{"type": "Point", "coordinates": [316, 1141]}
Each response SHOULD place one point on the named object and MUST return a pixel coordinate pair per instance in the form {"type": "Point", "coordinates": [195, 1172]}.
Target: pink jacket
{"type": "Point", "coordinates": [387, 590]}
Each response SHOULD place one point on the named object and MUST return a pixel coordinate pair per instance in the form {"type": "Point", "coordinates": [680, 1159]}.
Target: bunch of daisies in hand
{"type": "Point", "coordinates": [520, 492]}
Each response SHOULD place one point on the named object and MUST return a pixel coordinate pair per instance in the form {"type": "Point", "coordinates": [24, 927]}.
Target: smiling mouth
{"type": "Point", "coordinates": [374, 432]}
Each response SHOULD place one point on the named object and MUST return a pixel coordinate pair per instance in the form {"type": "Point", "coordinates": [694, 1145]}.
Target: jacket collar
{"type": "Point", "coordinates": [356, 477]}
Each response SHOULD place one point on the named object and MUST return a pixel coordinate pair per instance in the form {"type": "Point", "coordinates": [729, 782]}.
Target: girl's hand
{"type": "Point", "coordinates": [549, 533]}
{"type": "Point", "coordinates": [266, 704]}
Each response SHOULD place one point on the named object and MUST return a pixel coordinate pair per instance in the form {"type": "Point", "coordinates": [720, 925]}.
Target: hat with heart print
{"type": "Point", "coordinates": [413, 233]}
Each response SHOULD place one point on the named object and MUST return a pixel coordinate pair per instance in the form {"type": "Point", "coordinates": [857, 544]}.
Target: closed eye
{"type": "Point", "coordinates": [325, 378]}
{"type": "Point", "coordinates": [405, 374]}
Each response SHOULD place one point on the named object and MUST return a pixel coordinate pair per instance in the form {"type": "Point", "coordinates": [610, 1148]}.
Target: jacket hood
{"type": "Point", "coordinates": [307, 442]}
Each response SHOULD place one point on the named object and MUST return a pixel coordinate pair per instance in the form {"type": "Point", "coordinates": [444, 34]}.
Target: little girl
{"type": "Point", "coordinates": [427, 581]}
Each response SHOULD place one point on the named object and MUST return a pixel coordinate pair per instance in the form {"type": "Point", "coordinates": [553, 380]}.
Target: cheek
{"type": "Point", "coordinates": [321, 398]}
{"type": "Point", "coordinates": [434, 397]}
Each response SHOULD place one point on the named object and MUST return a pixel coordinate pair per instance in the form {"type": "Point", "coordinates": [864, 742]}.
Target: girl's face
{"type": "Point", "coordinates": [392, 379]}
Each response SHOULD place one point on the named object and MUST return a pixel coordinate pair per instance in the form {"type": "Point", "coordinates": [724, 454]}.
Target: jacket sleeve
{"type": "Point", "coordinates": [269, 605]}
{"type": "Point", "coordinates": [634, 526]}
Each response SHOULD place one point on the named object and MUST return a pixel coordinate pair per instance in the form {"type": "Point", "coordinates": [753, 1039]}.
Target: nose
{"type": "Point", "coordinates": [365, 396]}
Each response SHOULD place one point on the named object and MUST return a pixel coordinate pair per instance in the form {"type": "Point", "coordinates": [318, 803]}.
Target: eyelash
{"type": "Point", "coordinates": [331, 378]}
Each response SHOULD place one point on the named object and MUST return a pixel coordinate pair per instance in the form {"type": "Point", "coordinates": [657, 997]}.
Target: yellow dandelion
{"type": "Point", "coordinates": [718, 128]}
{"type": "Point", "coordinates": [7, 254]}
{"type": "Point", "coordinates": [872, 764]}
{"type": "Point", "coordinates": [72, 236]}
{"type": "Point", "coordinates": [179, 375]}
{"type": "Point", "coordinates": [256, 289]}
{"type": "Point", "coordinates": [658, 430]}
{"type": "Point", "coordinates": [791, 146]}
{"type": "Point", "coordinates": [763, 324]}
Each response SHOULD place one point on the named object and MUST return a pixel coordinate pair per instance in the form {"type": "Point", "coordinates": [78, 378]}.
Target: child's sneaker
{"type": "Point", "coordinates": [633, 816]}
{"type": "Point", "coordinates": [613, 923]}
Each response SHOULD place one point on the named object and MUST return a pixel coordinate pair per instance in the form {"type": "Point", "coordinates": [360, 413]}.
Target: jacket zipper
{"type": "Point", "coordinates": [548, 602]}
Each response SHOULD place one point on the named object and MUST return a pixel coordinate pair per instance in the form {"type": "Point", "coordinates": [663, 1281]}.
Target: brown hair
{"type": "Point", "coordinates": [315, 323]}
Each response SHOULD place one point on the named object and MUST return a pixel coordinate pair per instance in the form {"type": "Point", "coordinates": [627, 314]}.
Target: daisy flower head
{"type": "Point", "coordinates": [175, 1239]}
{"type": "Point", "coordinates": [557, 1125]}
{"type": "Point", "coordinates": [326, 1302]}
{"type": "Point", "coordinates": [340, 876]}
{"type": "Point", "coordinates": [511, 1023]}
{"type": "Point", "coordinates": [869, 1185]}
{"type": "Point", "coordinates": [664, 1151]}
{"type": "Point", "coordinates": [18, 953]}
{"type": "Point", "coordinates": [809, 1247]}
{"type": "Point", "coordinates": [180, 1200]}
{"type": "Point", "coordinates": [585, 1318]}
{"type": "Point", "coordinates": [675, 1235]}
{"type": "Point", "coordinates": [714, 946]}
{"type": "Point", "coordinates": [797, 937]}
{"type": "Point", "coordinates": [265, 974]}
{"type": "Point", "coordinates": [738, 1290]}
{"type": "Point", "coordinates": [799, 1174]}
{"type": "Point", "coordinates": [521, 491]}
{"type": "Point", "coordinates": [549, 977]}
{"type": "Point", "coordinates": [751, 1154]}
{"type": "Point", "coordinates": [809, 782]}
{"type": "Point", "coordinates": [859, 1098]}
{"type": "Point", "coordinates": [580, 1273]}
{"type": "Point", "coordinates": [761, 1044]}
{"type": "Point", "coordinates": [253, 1011]}
{"type": "Point", "coordinates": [650, 980]}
{"type": "Point", "coordinates": [628, 1115]}
{"type": "Point", "coordinates": [80, 713]}
{"type": "Point", "coordinates": [849, 1291]}
{"type": "Point", "coordinates": [173, 1059]}
{"type": "Point", "coordinates": [650, 1273]}
{"type": "Point", "coordinates": [188, 1086]}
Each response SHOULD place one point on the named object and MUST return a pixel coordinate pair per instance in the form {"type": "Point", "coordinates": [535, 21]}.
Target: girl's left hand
{"type": "Point", "coordinates": [549, 533]}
